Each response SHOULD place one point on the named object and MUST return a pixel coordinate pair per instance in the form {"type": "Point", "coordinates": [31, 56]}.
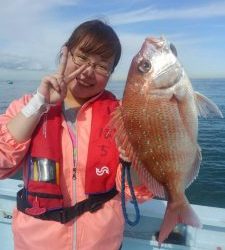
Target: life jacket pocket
{"type": "Point", "coordinates": [48, 195]}
{"type": "Point", "coordinates": [43, 188]}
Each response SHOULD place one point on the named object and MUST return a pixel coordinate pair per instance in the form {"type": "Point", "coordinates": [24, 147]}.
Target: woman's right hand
{"type": "Point", "coordinates": [54, 87]}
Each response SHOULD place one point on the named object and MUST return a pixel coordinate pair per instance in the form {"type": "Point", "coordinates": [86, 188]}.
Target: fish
{"type": "Point", "coordinates": [157, 128]}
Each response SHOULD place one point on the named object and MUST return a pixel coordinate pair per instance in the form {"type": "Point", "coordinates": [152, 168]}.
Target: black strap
{"type": "Point", "coordinates": [93, 203]}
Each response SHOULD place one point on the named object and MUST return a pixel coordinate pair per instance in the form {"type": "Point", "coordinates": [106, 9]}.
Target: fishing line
{"type": "Point", "coordinates": [126, 170]}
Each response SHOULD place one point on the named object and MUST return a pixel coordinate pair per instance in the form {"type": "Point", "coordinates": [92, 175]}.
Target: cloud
{"type": "Point", "coordinates": [30, 32]}
{"type": "Point", "coordinates": [24, 17]}
{"type": "Point", "coordinates": [190, 48]}
{"type": "Point", "coordinates": [151, 13]}
{"type": "Point", "coordinates": [34, 6]}
{"type": "Point", "coordinates": [20, 63]}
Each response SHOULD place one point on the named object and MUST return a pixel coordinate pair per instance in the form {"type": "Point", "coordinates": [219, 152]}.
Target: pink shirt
{"type": "Point", "coordinates": [91, 231]}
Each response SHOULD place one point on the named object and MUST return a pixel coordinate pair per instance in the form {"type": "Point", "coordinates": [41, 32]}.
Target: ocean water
{"type": "Point", "coordinates": [209, 187]}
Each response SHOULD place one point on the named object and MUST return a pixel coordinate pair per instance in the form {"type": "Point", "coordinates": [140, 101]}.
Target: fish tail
{"type": "Point", "coordinates": [183, 213]}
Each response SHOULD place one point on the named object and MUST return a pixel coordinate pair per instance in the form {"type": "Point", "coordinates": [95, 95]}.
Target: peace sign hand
{"type": "Point", "coordinates": [54, 87]}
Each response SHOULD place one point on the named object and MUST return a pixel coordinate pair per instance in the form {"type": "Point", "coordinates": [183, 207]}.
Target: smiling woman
{"type": "Point", "coordinates": [60, 138]}
{"type": "Point", "coordinates": [90, 49]}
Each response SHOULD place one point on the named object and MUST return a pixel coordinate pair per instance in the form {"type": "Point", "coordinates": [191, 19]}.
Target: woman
{"type": "Point", "coordinates": [70, 161]}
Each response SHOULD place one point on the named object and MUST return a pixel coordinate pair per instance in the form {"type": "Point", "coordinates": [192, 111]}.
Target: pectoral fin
{"type": "Point", "coordinates": [206, 107]}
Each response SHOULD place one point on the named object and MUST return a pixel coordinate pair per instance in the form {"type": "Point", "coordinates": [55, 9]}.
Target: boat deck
{"type": "Point", "coordinates": [142, 236]}
{"type": "Point", "coordinates": [210, 237]}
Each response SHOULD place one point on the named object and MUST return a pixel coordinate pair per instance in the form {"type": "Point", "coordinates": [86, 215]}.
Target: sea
{"type": "Point", "coordinates": [209, 187]}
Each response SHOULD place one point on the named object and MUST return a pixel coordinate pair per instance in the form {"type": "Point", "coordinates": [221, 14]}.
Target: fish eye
{"type": "Point", "coordinates": [144, 66]}
{"type": "Point", "coordinates": [173, 49]}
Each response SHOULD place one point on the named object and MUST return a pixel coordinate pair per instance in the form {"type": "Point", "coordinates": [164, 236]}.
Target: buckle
{"type": "Point", "coordinates": [63, 217]}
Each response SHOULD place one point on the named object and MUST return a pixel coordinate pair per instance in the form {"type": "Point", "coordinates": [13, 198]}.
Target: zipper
{"type": "Point", "coordinates": [74, 184]}
{"type": "Point", "coordinates": [75, 144]}
{"type": "Point", "coordinates": [75, 166]}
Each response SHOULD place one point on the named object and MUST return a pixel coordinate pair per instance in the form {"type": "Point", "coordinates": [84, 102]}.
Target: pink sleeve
{"type": "Point", "coordinates": [141, 192]}
{"type": "Point", "coordinates": [11, 151]}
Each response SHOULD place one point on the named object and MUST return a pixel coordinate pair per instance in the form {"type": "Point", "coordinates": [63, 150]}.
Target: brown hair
{"type": "Point", "coordinates": [96, 37]}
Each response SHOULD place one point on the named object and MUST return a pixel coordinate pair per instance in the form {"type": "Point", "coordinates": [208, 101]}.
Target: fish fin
{"type": "Point", "coordinates": [174, 215]}
{"type": "Point", "coordinates": [121, 138]}
{"type": "Point", "coordinates": [149, 181]}
{"type": "Point", "coordinates": [206, 107]}
{"type": "Point", "coordinates": [195, 168]}
{"type": "Point", "coordinates": [128, 152]}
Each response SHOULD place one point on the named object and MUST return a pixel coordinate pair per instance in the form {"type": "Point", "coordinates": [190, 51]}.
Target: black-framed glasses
{"type": "Point", "coordinates": [100, 68]}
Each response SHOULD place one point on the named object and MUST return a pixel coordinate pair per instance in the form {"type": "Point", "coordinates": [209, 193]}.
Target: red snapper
{"type": "Point", "coordinates": [157, 127]}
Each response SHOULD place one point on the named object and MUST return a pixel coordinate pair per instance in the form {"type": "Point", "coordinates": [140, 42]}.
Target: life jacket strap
{"type": "Point", "coordinates": [63, 215]}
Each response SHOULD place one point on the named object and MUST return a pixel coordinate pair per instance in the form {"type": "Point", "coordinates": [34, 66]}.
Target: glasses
{"type": "Point", "coordinates": [99, 68]}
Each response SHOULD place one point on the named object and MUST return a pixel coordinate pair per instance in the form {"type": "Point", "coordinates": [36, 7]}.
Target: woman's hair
{"type": "Point", "coordinates": [96, 37]}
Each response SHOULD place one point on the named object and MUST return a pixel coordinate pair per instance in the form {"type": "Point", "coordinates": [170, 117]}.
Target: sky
{"type": "Point", "coordinates": [33, 31]}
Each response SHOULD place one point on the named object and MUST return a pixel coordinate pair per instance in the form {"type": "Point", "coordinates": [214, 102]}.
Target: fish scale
{"type": "Point", "coordinates": [151, 127]}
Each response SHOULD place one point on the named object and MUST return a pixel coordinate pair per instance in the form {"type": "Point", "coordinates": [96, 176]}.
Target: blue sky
{"type": "Point", "coordinates": [32, 32]}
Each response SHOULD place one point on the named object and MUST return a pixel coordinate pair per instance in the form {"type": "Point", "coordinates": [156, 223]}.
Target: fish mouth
{"type": "Point", "coordinates": [166, 69]}
{"type": "Point", "coordinates": [157, 42]}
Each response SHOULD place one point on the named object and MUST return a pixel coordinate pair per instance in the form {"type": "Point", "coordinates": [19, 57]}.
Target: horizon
{"type": "Point", "coordinates": [33, 32]}
{"type": "Point", "coordinates": [112, 79]}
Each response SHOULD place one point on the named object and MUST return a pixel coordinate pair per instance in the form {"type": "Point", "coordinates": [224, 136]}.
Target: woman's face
{"type": "Point", "coordinates": [93, 79]}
